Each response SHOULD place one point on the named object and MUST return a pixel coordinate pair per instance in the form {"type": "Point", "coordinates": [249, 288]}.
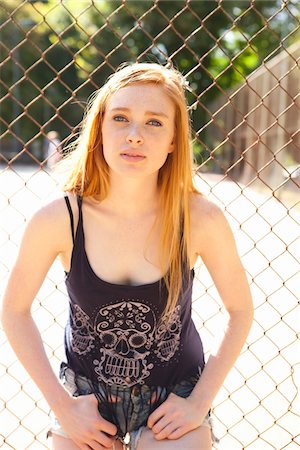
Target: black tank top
{"type": "Point", "coordinates": [113, 335]}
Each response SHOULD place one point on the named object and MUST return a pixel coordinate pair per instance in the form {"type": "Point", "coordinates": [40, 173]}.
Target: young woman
{"type": "Point", "coordinates": [128, 232]}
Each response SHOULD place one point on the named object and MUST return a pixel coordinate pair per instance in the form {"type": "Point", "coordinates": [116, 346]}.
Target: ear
{"type": "Point", "coordinates": [171, 148]}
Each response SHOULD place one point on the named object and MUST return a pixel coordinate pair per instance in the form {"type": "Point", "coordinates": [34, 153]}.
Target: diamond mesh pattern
{"type": "Point", "coordinates": [241, 60]}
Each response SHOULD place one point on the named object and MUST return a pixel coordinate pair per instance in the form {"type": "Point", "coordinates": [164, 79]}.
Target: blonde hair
{"type": "Point", "coordinates": [89, 173]}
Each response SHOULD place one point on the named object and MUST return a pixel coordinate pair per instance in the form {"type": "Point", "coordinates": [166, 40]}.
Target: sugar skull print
{"type": "Point", "coordinates": [82, 333]}
{"type": "Point", "coordinates": [167, 336]}
{"type": "Point", "coordinates": [126, 332]}
{"type": "Point", "coordinates": [120, 338]}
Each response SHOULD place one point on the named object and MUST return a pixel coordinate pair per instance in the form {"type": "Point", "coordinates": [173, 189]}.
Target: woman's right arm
{"type": "Point", "coordinates": [38, 250]}
{"type": "Point", "coordinates": [45, 237]}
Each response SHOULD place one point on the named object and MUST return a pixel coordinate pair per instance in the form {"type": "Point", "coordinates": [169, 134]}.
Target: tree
{"type": "Point", "coordinates": [54, 55]}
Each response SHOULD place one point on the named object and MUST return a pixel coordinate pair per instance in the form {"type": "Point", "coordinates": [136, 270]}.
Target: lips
{"type": "Point", "coordinates": [132, 156]}
{"type": "Point", "coordinates": [131, 153]}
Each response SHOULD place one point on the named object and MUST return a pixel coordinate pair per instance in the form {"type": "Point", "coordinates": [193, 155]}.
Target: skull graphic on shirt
{"type": "Point", "coordinates": [167, 335]}
{"type": "Point", "coordinates": [82, 334]}
{"type": "Point", "coordinates": [126, 332]}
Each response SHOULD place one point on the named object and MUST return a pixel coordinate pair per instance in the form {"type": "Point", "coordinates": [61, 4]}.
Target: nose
{"type": "Point", "coordinates": [134, 136]}
{"type": "Point", "coordinates": [122, 347]}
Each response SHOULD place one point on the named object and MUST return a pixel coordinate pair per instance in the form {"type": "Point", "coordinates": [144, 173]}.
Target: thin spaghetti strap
{"type": "Point", "coordinates": [184, 256]}
{"type": "Point", "coordinates": [79, 203]}
{"type": "Point", "coordinates": [71, 216]}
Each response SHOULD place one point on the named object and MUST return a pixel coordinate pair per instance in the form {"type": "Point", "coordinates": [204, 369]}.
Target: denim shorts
{"type": "Point", "coordinates": [127, 408]}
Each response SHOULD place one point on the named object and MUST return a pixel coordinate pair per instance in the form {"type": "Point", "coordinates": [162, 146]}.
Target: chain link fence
{"type": "Point", "coordinates": [241, 60]}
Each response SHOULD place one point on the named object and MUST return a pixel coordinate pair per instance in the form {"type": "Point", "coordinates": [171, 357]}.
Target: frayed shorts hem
{"type": "Point", "coordinates": [130, 441]}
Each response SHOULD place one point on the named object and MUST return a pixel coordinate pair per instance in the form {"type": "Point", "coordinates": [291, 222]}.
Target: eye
{"type": "Point", "coordinates": [109, 339]}
{"type": "Point", "coordinates": [173, 327]}
{"type": "Point", "coordinates": [122, 119]}
{"type": "Point", "coordinates": [118, 117]}
{"type": "Point", "coordinates": [137, 340]}
{"type": "Point", "coordinates": [156, 121]}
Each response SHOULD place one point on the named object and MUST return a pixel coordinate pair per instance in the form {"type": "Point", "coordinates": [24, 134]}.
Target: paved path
{"type": "Point", "coordinates": [266, 236]}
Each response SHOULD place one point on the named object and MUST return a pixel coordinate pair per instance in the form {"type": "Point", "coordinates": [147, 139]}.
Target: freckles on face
{"type": "Point", "coordinates": [141, 118]}
{"type": "Point", "coordinates": [140, 108]}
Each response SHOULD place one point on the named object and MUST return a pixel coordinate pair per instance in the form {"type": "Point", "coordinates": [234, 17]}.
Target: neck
{"type": "Point", "coordinates": [133, 196]}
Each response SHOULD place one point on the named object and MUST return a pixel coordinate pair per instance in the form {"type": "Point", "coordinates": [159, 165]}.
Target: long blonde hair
{"type": "Point", "coordinates": [89, 173]}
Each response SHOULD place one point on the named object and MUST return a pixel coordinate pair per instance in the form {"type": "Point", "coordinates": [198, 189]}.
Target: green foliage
{"type": "Point", "coordinates": [55, 54]}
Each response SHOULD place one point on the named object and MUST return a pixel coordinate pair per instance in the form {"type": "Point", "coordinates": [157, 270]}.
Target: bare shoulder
{"type": "Point", "coordinates": [51, 210]}
{"type": "Point", "coordinates": [50, 225]}
{"type": "Point", "coordinates": [204, 211]}
{"type": "Point", "coordinates": [208, 222]}
{"type": "Point", "coordinates": [46, 236]}
{"type": "Point", "coordinates": [214, 242]}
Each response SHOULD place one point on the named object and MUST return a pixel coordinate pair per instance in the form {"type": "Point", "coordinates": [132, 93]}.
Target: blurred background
{"type": "Point", "coordinates": [241, 63]}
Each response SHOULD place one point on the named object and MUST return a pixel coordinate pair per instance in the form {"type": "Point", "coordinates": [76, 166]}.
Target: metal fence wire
{"type": "Point", "coordinates": [241, 63]}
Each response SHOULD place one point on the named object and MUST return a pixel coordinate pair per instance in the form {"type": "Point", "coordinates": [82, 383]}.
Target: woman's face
{"type": "Point", "coordinates": [138, 130]}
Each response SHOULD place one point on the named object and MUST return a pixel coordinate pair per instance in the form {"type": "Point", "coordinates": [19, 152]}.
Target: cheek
{"type": "Point", "coordinates": [106, 133]}
{"type": "Point", "coordinates": [160, 159]}
{"type": "Point", "coordinates": [109, 139]}
{"type": "Point", "coordinates": [112, 135]}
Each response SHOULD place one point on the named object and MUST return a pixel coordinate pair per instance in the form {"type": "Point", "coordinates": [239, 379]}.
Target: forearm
{"type": "Point", "coordinates": [222, 358]}
{"type": "Point", "coordinates": [26, 341]}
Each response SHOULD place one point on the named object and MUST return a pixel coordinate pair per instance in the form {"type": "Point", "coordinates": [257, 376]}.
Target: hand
{"type": "Point", "coordinates": [175, 417]}
{"type": "Point", "coordinates": [81, 420]}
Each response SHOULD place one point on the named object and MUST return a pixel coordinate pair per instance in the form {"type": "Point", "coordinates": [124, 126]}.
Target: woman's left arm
{"type": "Point", "coordinates": [220, 256]}
{"type": "Point", "coordinates": [218, 251]}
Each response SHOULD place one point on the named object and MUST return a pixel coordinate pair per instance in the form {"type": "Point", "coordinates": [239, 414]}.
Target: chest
{"type": "Point", "coordinates": [123, 251]}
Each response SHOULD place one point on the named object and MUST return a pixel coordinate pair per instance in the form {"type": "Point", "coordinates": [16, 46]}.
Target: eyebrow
{"type": "Point", "coordinates": [148, 113]}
